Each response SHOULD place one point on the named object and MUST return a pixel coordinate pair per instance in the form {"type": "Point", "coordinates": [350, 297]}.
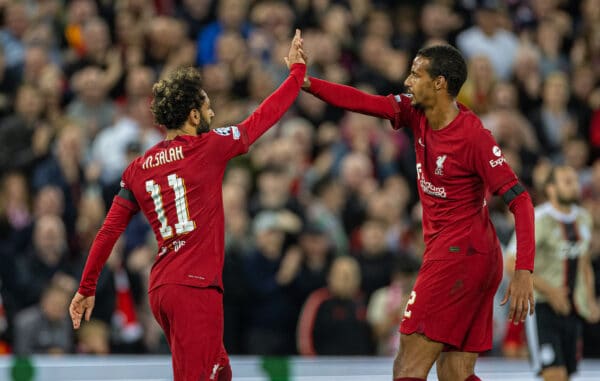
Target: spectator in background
{"type": "Point", "coordinates": [387, 304]}
{"type": "Point", "coordinates": [93, 338]}
{"type": "Point", "coordinates": [231, 16]}
{"type": "Point", "coordinates": [488, 37]}
{"type": "Point", "coordinates": [16, 22]}
{"type": "Point", "coordinates": [476, 93]}
{"type": "Point", "coordinates": [91, 106]}
{"type": "Point", "coordinates": [553, 122]}
{"type": "Point", "coordinates": [316, 257]}
{"type": "Point", "coordinates": [24, 135]}
{"type": "Point", "coordinates": [98, 52]}
{"type": "Point", "coordinates": [45, 261]}
{"type": "Point", "coordinates": [325, 211]}
{"type": "Point", "coordinates": [45, 328]}
{"type": "Point", "coordinates": [64, 169]}
{"type": "Point", "coordinates": [333, 319]}
{"type": "Point", "coordinates": [270, 270]}
{"type": "Point", "coordinates": [374, 258]}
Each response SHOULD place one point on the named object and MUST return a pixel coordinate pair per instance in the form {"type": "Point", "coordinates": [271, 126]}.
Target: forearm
{"type": "Point", "coordinates": [349, 98]}
{"type": "Point", "coordinates": [521, 207]}
{"type": "Point", "coordinates": [273, 108]}
{"type": "Point", "coordinates": [589, 279]}
{"type": "Point", "coordinates": [542, 286]}
{"type": "Point", "coordinates": [115, 223]}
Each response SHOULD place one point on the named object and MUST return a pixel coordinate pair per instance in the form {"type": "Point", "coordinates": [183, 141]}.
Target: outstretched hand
{"type": "Point", "coordinates": [81, 306]}
{"type": "Point", "coordinates": [520, 294]}
{"type": "Point", "coordinates": [296, 54]}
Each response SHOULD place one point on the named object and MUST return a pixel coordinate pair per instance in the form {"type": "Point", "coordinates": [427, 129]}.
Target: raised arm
{"type": "Point", "coordinates": [116, 221]}
{"type": "Point", "coordinates": [349, 98]}
{"type": "Point", "coordinates": [273, 108]}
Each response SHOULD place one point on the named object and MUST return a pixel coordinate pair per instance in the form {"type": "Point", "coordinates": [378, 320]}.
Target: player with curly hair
{"type": "Point", "coordinates": [177, 185]}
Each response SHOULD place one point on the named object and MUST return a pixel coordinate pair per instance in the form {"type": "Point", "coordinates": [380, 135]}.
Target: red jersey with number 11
{"type": "Point", "coordinates": [177, 184]}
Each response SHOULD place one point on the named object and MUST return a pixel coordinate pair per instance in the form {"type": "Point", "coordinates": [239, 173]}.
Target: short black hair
{"type": "Point", "coordinates": [447, 61]}
{"type": "Point", "coordinates": [175, 96]}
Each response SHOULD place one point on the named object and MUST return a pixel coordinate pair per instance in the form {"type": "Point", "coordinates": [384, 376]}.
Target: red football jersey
{"type": "Point", "coordinates": [454, 167]}
{"type": "Point", "coordinates": [178, 186]}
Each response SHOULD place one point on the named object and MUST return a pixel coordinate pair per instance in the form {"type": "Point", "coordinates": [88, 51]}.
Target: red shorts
{"type": "Point", "coordinates": [452, 301]}
{"type": "Point", "coordinates": [192, 319]}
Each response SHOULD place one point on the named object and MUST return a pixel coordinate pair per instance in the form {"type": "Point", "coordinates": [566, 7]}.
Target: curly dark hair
{"type": "Point", "coordinates": [446, 60]}
{"type": "Point", "coordinates": [175, 96]}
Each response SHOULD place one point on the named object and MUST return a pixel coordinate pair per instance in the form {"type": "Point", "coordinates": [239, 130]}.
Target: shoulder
{"type": "Point", "coordinates": [584, 215]}
{"type": "Point", "coordinates": [542, 211]}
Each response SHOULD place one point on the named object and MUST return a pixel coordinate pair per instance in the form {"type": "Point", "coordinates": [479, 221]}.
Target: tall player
{"type": "Point", "coordinates": [563, 279]}
{"type": "Point", "coordinates": [449, 314]}
{"type": "Point", "coordinates": [177, 185]}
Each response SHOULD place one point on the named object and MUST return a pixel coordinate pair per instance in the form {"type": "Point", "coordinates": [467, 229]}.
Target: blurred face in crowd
{"type": "Point", "coordinates": [564, 190]}
{"type": "Point", "coordinates": [16, 18]}
{"type": "Point", "coordinates": [49, 239]}
{"type": "Point", "coordinates": [29, 103]}
{"type": "Point", "coordinates": [356, 167]}
{"type": "Point", "coordinates": [96, 36]}
{"type": "Point", "coordinates": [576, 153]}
{"type": "Point", "coordinates": [556, 90]}
{"type": "Point", "coordinates": [372, 236]}
{"type": "Point", "coordinates": [504, 96]}
{"type": "Point", "coordinates": [232, 13]}
{"type": "Point", "coordinates": [49, 201]}
{"type": "Point", "coordinates": [344, 278]}
{"type": "Point", "coordinates": [89, 84]}
{"type": "Point", "coordinates": [314, 244]}
{"type": "Point", "coordinates": [14, 189]}
{"type": "Point", "coordinates": [54, 304]}
{"type": "Point", "coordinates": [270, 242]}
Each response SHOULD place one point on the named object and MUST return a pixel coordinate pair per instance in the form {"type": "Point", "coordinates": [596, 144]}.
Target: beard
{"type": "Point", "coordinates": [203, 127]}
{"type": "Point", "coordinates": [566, 201]}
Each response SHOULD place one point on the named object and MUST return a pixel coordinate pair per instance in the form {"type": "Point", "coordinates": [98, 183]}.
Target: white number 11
{"type": "Point", "coordinates": [184, 224]}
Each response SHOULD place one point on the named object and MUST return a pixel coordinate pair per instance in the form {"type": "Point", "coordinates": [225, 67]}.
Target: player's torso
{"type": "Point", "coordinates": [450, 190]}
{"type": "Point", "coordinates": [178, 188]}
{"type": "Point", "coordinates": [560, 243]}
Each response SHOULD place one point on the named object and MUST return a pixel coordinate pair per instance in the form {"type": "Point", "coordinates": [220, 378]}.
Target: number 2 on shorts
{"type": "Point", "coordinates": [411, 300]}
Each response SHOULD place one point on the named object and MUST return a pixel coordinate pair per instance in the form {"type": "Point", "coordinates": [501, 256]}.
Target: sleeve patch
{"type": "Point", "coordinates": [226, 131]}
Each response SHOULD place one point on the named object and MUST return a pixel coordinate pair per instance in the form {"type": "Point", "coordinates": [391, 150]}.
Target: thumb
{"type": "Point", "coordinates": [506, 296]}
{"type": "Point", "coordinates": [287, 61]}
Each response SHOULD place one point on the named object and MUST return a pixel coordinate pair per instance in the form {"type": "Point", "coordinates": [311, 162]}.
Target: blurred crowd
{"type": "Point", "coordinates": [323, 223]}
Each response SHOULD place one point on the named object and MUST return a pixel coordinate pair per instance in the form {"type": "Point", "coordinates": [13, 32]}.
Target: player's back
{"type": "Point", "coordinates": [177, 185]}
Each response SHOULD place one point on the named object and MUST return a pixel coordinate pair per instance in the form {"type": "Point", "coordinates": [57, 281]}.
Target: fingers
{"type": "Point", "coordinates": [75, 315]}
{"type": "Point", "coordinates": [506, 295]}
{"type": "Point", "coordinates": [531, 304]}
{"type": "Point", "coordinates": [88, 313]}
{"type": "Point", "coordinates": [298, 34]}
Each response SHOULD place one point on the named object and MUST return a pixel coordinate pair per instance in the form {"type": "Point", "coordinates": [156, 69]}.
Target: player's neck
{"type": "Point", "coordinates": [442, 114]}
{"type": "Point", "coordinates": [565, 209]}
{"type": "Point", "coordinates": [187, 129]}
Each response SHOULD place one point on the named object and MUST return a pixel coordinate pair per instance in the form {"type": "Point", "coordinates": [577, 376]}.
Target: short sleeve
{"type": "Point", "coordinates": [125, 196]}
{"type": "Point", "coordinates": [229, 142]}
{"type": "Point", "coordinates": [488, 161]}
{"type": "Point", "coordinates": [405, 115]}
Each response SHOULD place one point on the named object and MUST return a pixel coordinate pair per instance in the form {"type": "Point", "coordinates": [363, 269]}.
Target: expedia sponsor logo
{"type": "Point", "coordinates": [497, 162]}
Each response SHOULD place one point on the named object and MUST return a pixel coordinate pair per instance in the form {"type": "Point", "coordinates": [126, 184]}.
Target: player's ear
{"type": "Point", "coordinates": [194, 117]}
{"type": "Point", "coordinates": [439, 83]}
